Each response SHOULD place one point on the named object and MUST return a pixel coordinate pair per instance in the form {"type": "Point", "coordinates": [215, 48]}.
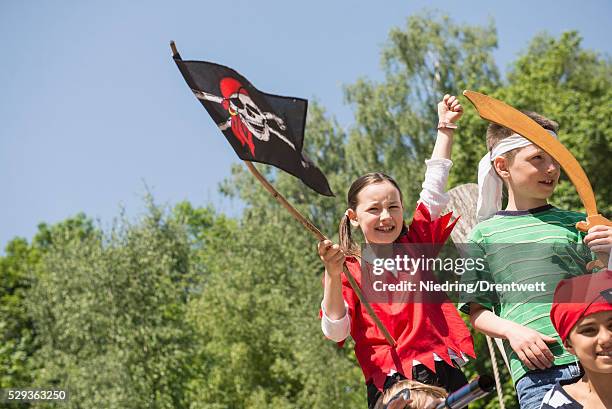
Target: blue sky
{"type": "Point", "coordinates": [93, 108]}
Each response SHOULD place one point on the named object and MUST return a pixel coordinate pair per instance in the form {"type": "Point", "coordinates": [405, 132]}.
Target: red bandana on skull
{"type": "Point", "coordinates": [230, 89]}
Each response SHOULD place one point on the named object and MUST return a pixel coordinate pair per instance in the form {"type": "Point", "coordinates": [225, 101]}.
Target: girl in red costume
{"type": "Point", "coordinates": [431, 338]}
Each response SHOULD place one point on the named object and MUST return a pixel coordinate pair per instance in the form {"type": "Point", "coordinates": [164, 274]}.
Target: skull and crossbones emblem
{"type": "Point", "coordinates": [246, 119]}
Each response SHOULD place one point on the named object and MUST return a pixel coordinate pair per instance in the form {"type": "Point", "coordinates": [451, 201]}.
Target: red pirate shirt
{"type": "Point", "coordinates": [420, 329]}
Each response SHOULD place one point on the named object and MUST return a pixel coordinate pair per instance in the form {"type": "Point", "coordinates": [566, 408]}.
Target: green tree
{"type": "Point", "coordinates": [16, 332]}
{"type": "Point", "coordinates": [19, 269]}
{"type": "Point", "coordinates": [109, 312]}
{"type": "Point", "coordinates": [259, 338]}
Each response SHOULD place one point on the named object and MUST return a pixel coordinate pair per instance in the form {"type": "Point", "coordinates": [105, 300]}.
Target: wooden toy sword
{"type": "Point", "coordinates": [496, 111]}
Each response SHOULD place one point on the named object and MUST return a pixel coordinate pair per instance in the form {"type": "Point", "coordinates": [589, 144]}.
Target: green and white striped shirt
{"type": "Point", "coordinates": [540, 245]}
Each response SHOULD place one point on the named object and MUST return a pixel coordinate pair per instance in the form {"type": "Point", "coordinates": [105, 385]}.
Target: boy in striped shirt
{"type": "Point", "coordinates": [529, 242]}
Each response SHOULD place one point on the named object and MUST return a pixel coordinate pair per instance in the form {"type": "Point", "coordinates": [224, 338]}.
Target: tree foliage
{"type": "Point", "coordinates": [19, 269]}
{"type": "Point", "coordinates": [16, 334]}
{"type": "Point", "coordinates": [109, 313]}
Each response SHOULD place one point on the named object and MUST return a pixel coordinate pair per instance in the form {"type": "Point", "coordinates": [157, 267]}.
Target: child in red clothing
{"type": "Point", "coordinates": [431, 337]}
{"type": "Point", "coordinates": [582, 315]}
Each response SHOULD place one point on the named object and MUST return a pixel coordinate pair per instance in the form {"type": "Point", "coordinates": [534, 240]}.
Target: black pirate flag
{"type": "Point", "coordinates": [260, 127]}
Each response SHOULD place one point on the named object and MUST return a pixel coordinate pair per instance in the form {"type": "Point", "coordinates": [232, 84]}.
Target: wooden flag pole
{"type": "Point", "coordinates": [280, 199]}
{"type": "Point", "coordinates": [317, 233]}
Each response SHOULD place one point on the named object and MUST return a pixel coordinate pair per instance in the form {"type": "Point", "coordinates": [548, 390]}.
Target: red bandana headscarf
{"type": "Point", "coordinates": [579, 297]}
{"type": "Point", "coordinates": [230, 88]}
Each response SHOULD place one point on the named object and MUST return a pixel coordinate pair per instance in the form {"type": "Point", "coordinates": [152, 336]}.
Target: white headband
{"type": "Point", "coordinates": [489, 183]}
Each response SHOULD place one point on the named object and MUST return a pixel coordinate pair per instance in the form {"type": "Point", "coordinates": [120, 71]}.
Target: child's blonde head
{"type": "Point", "coordinates": [420, 393]}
